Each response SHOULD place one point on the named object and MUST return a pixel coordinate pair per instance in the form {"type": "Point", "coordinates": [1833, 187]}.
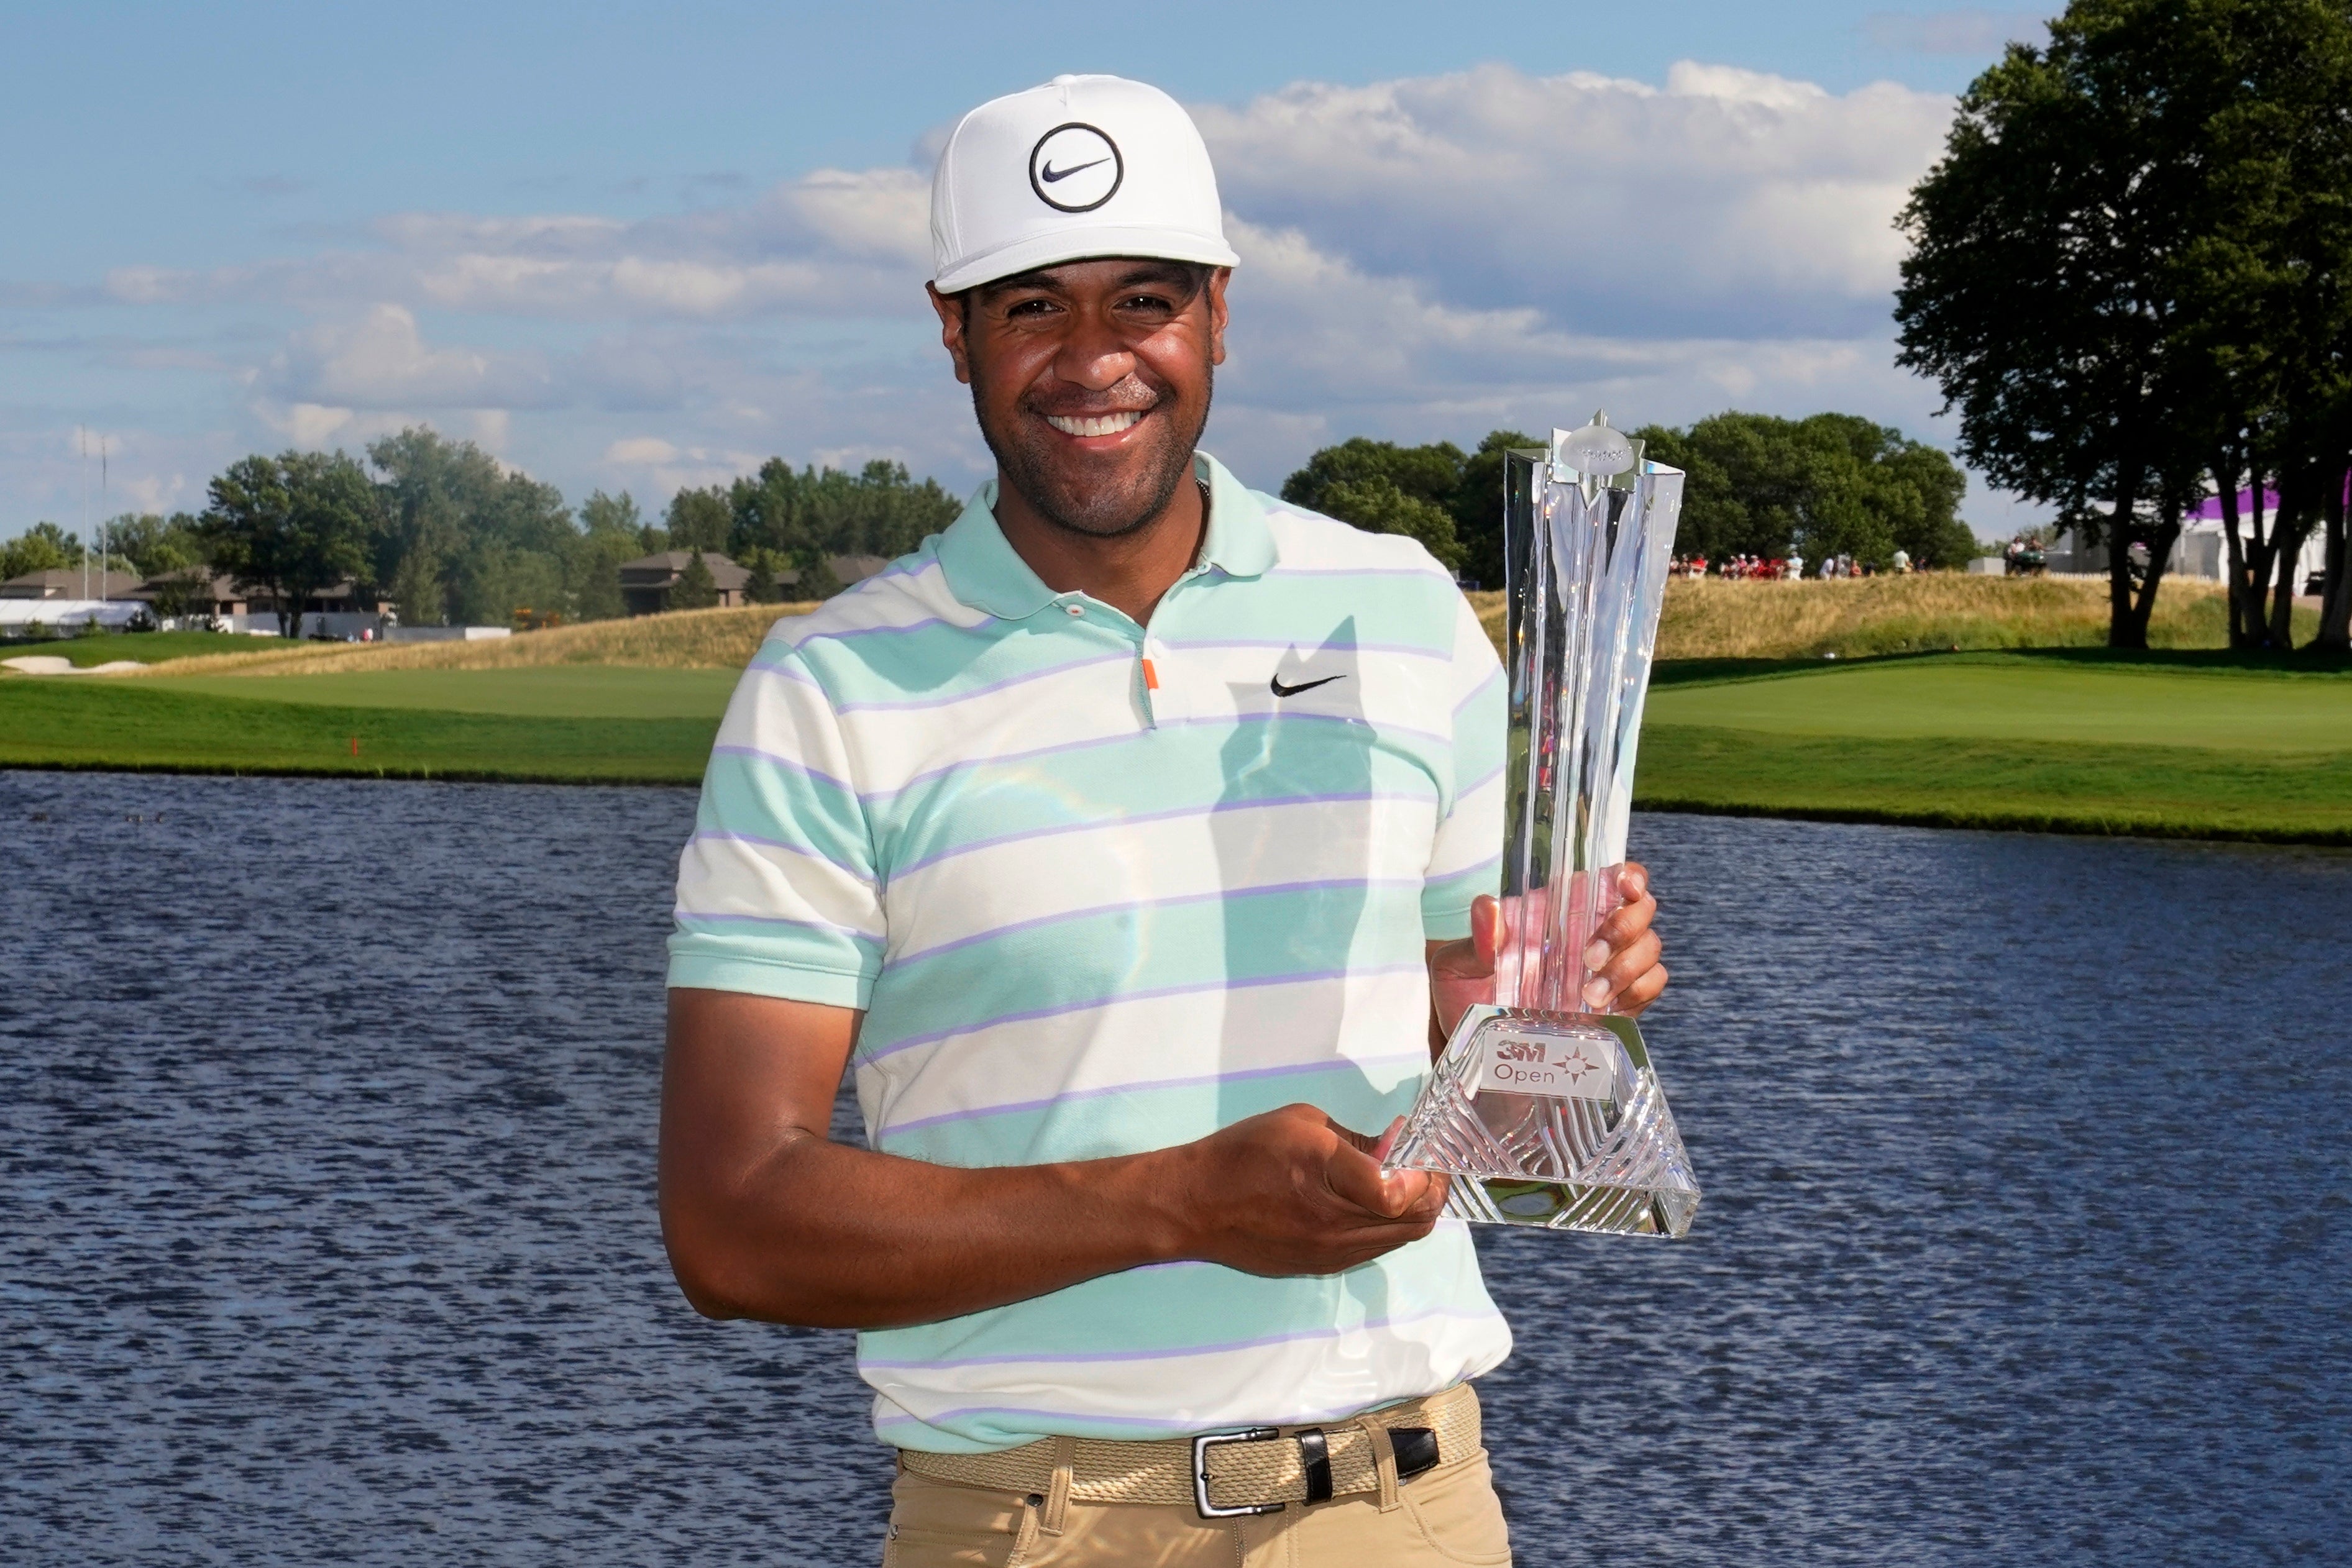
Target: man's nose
{"type": "Point", "coordinates": [1095, 355]}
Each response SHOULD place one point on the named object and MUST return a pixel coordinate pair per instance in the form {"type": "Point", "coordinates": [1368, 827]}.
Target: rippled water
{"type": "Point", "coordinates": [327, 1229]}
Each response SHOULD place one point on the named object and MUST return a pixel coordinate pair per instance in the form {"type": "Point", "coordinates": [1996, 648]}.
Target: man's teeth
{"type": "Point", "coordinates": [1098, 425]}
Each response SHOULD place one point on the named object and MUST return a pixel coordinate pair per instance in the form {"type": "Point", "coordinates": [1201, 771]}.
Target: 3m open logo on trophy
{"type": "Point", "coordinates": [1542, 1113]}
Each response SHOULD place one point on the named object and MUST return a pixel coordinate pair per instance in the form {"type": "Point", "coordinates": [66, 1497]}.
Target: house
{"type": "Point", "coordinates": [646, 583]}
{"type": "Point", "coordinates": [67, 582]}
{"type": "Point", "coordinates": [220, 596]}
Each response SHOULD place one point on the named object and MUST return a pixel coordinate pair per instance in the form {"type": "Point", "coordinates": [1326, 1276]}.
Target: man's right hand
{"type": "Point", "coordinates": [766, 1217]}
{"type": "Point", "coordinates": [1292, 1192]}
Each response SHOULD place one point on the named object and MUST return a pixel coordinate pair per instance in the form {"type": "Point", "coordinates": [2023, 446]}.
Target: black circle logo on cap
{"type": "Point", "coordinates": [1074, 168]}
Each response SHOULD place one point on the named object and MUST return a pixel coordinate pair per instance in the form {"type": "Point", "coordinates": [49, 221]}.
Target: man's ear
{"type": "Point", "coordinates": [1217, 281]}
{"type": "Point", "coordinates": [952, 333]}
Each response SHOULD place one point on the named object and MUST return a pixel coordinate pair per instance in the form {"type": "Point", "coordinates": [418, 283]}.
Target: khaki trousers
{"type": "Point", "coordinates": [1446, 1516]}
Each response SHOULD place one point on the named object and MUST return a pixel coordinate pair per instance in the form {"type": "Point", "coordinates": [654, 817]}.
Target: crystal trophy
{"type": "Point", "coordinates": [1542, 1113]}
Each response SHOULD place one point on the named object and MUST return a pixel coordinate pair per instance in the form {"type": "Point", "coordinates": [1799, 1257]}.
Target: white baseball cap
{"type": "Point", "coordinates": [1083, 166]}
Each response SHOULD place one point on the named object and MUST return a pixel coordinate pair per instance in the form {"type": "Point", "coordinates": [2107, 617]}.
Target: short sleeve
{"type": "Point", "coordinates": [1467, 857]}
{"type": "Point", "coordinates": [777, 894]}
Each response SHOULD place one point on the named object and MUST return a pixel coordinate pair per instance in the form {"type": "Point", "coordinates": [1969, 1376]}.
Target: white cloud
{"type": "Point", "coordinates": [1431, 256]}
{"type": "Point", "coordinates": [1728, 202]}
{"type": "Point", "coordinates": [644, 451]}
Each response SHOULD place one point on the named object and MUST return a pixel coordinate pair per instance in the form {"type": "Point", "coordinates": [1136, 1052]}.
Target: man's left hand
{"type": "Point", "coordinates": [1624, 954]}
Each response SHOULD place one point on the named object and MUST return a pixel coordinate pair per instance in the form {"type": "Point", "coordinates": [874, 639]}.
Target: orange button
{"type": "Point", "coordinates": [1151, 677]}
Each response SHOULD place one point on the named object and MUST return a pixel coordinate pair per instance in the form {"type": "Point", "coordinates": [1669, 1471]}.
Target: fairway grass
{"type": "Point", "coordinates": [2155, 790]}
{"type": "Point", "coordinates": [138, 647]}
{"type": "Point", "coordinates": [148, 726]}
{"type": "Point", "coordinates": [2206, 745]}
{"type": "Point", "coordinates": [551, 691]}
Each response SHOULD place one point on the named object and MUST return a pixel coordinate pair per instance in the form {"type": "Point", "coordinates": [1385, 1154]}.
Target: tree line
{"type": "Point", "coordinates": [1831, 484]}
{"type": "Point", "coordinates": [2131, 273]}
{"type": "Point", "coordinates": [450, 537]}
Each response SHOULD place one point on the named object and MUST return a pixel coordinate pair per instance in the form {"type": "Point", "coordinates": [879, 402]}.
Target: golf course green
{"type": "Point", "coordinates": [2186, 744]}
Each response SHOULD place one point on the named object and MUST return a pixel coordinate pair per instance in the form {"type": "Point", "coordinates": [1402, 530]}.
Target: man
{"type": "Point", "coordinates": [1134, 839]}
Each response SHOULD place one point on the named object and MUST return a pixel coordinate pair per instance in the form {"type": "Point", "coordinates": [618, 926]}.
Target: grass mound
{"type": "Point", "coordinates": [1861, 617]}
{"type": "Point", "coordinates": [682, 640]}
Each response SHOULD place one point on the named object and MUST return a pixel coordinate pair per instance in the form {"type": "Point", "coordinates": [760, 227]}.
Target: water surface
{"type": "Point", "coordinates": [327, 1228]}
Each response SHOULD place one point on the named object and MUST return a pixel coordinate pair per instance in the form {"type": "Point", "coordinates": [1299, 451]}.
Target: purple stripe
{"type": "Point", "coordinates": [1481, 781]}
{"type": "Point", "coordinates": [1175, 900]}
{"type": "Point", "coordinates": [1479, 690]}
{"type": "Point", "coordinates": [1246, 1074]}
{"type": "Point", "coordinates": [1170, 814]}
{"type": "Point", "coordinates": [720, 835]}
{"type": "Point", "coordinates": [825, 926]}
{"type": "Point", "coordinates": [1062, 1009]}
{"type": "Point", "coordinates": [1083, 1357]}
{"type": "Point", "coordinates": [1413, 649]}
{"type": "Point", "coordinates": [1474, 867]}
{"type": "Point", "coordinates": [785, 763]}
{"type": "Point", "coordinates": [868, 632]}
{"type": "Point", "coordinates": [1126, 656]}
{"type": "Point", "coordinates": [786, 672]}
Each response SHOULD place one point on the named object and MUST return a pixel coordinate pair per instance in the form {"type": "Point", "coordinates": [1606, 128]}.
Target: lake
{"type": "Point", "coordinates": [327, 1228]}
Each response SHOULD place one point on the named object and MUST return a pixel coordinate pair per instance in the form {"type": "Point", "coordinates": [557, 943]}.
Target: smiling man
{"type": "Point", "coordinates": [1135, 840]}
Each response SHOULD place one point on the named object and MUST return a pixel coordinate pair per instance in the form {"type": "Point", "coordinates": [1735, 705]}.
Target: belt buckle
{"type": "Point", "coordinates": [1201, 1447]}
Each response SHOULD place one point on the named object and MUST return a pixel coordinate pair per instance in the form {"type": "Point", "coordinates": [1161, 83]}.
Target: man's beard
{"type": "Point", "coordinates": [1024, 458]}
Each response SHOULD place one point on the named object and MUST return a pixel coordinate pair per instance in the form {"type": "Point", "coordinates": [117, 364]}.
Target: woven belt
{"type": "Point", "coordinates": [1255, 1469]}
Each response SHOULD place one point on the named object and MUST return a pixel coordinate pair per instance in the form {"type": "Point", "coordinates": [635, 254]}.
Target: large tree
{"type": "Point", "coordinates": [2127, 274]}
{"type": "Point", "coordinates": [1829, 484]}
{"type": "Point", "coordinates": [291, 525]}
{"type": "Point", "coordinates": [2045, 264]}
{"type": "Point", "coordinates": [467, 540]}
{"type": "Point", "coordinates": [1385, 488]}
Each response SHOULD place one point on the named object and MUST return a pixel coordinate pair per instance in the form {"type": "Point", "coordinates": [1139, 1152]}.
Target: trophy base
{"type": "Point", "coordinates": [1551, 1120]}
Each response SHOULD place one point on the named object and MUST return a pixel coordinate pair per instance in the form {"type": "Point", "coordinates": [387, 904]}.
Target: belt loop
{"type": "Point", "coordinates": [1057, 1495]}
{"type": "Point", "coordinates": [1383, 1463]}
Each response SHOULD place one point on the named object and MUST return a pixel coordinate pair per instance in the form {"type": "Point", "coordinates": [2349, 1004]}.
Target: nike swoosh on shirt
{"type": "Point", "coordinates": [1050, 174]}
{"type": "Point", "coordinates": [1282, 691]}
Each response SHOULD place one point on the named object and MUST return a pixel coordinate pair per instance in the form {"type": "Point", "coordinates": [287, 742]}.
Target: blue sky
{"type": "Point", "coordinates": [637, 245]}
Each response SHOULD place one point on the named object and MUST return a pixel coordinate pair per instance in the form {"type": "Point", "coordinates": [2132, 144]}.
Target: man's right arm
{"type": "Point", "coordinates": [765, 1217]}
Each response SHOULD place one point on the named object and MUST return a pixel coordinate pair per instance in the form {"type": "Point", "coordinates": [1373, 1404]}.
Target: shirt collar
{"type": "Point", "coordinates": [984, 571]}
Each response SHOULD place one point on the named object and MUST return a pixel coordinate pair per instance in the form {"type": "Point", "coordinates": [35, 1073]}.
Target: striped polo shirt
{"type": "Point", "coordinates": [1103, 888]}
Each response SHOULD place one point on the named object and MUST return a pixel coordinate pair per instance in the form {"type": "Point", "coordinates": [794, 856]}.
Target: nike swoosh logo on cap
{"type": "Point", "coordinates": [1282, 691]}
{"type": "Point", "coordinates": [1050, 174]}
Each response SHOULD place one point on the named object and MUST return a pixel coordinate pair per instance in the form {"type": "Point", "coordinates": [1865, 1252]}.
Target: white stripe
{"type": "Point", "coordinates": [1118, 864]}
{"type": "Point", "coordinates": [1473, 833]}
{"type": "Point", "coordinates": [726, 876]}
{"type": "Point", "coordinates": [1379, 1021]}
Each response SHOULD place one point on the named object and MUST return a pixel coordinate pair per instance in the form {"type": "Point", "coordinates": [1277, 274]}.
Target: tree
{"type": "Point", "coordinates": [291, 525]}
{"type": "Point", "coordinates": [44, 547]}
{"type": "Point", "coordinates": [156, 544]}
{"type": "Point", "coordinates": [1478, 507]}
{"type": "Point", "coordinates": [611, 533]}
{"type": "Point", "coordinates": [1384, 488]}
{"type": "Point", "coordinates": [700, 519]}
{"type": "Point", "coordinates": [466, 539]}
{"type": "Point", "coordinates": [694, 588]}
{"type": "Point", "coordinates": [2050, 251]}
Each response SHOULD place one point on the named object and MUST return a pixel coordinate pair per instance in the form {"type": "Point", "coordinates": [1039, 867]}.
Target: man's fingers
{"type": "Point", "coordinates": [1644, 990]}
{"type": "Point", "coordinates": [1357, 1177]}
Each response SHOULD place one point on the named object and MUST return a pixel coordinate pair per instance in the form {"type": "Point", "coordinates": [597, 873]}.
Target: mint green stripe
{"type": "Point", "coordinates": [755, 796]}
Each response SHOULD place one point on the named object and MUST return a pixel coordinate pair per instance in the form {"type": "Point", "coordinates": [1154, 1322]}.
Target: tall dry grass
{"type": "Point", "coordinates": [1709, 619]}
{"type": "Point", "coordinates": [682, 640]}
{"type": "Point", "coordinates": [1855, 617]}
